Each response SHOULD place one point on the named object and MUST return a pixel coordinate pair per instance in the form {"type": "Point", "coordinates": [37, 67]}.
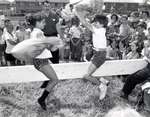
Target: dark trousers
{"type": "Point", "coordinates": [136, 78]}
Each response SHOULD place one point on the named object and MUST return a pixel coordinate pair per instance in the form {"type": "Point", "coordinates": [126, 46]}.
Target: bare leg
{"type": "Point", "coordinates": [48, 71]}
{"type": "Point", "coordinates": [91, 69]}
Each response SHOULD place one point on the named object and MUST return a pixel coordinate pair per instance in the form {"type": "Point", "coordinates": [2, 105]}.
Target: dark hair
{"type": "Point", "coordinates": [146, 13]}
{"type": "Point", "coordinates": [32, 19]}
{"type": "Point", "coordinates": [142, 24]}
{"type": "Point", "coordinates": [102, 19]}
{"type": "Point", "coordinates": [75, 21]}
{"type": "Point", "coordinates": [115, 16]}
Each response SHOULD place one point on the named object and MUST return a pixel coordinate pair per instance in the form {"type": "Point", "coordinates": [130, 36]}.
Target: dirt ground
{"type": "Point", "coordinates": [76, 99]}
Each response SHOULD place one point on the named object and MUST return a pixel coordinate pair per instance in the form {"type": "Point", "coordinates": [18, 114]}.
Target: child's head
{"type": "Point", "coordinates": [37, 20]}
{"type": "Point", "coordinates": [75, 21]}
{"type": "Point", "coordinates": [100, 20]}
{"type": "Point", "coordinates": [141, 27]}
{"type": "Point", "coordinates": [124, 19]}
{"type": "Point", "coordinates": [9, 26]}
{"type": "Point", "coordinates": [114, 17]}
{"type": "Point", "coordinates": [134, 46]}
{"type": "Point", "coordinates": [146, 43]}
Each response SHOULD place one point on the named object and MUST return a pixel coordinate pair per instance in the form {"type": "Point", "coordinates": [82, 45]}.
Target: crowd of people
{"type": "Point", "coordinates": [125, 37]}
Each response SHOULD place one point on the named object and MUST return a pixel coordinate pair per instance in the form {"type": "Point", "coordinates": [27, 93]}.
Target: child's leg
{"type": "Point", "coordinates": [45, 67]}
{"type": "Point", "coordinates": [48, 71]}
{"type": "Point", "coordinates": [98, 59]}
{"type": "Point", "coordinates": [92, 68]}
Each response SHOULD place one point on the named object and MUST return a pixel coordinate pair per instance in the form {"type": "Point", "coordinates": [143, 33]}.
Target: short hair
{"type": "Point", "coordinates": [147, 12]}
{"type": "Point", "coordinates": [115, 16]}
{"type": "Point", "coordinates": [142, 25]}
{"type": "Point", "coordinates": [32, 19]}
{"type": "Point", "coordinates": [123, 112]}
{"type": "Point", "coordinates": [102, 19]}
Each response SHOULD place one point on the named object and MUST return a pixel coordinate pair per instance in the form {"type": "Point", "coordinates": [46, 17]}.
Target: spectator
{"type": "Point", "coordinates": [140, 35]}
{"type": "Point", "coordinates": [76, 43]}
{"type": "Point", "coordinates": [52, 28]}
{"type": "Point", "coordinates": [11, 41]}
{"type": "Point", "coordinates": [124, 33]}
{"type": "Point", "coordinates": [139, 76]}
{"type": "Point", "coordinates": [133, 54]}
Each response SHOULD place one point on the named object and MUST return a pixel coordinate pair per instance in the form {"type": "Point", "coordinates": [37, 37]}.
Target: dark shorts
{"type": "Point", "coordinates": [9, 57]}
{"type": "Point", "coordinates": [98, 58]}
{"type": "Point", "coordinates": [38, 63]}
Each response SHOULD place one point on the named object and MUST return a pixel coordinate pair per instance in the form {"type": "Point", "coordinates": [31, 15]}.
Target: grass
{"type": "Point", "coordinates": [76, 98]}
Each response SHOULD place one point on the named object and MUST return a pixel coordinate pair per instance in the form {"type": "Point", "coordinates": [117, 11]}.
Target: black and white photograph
{"type": "Point", "coordinates": [74, 58]}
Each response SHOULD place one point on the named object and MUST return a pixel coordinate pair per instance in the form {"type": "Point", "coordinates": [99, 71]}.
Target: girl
{"type": "Point", "coordinates": [40, 63]}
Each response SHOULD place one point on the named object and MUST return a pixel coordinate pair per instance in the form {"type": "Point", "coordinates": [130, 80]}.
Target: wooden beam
{"type": "Point", "coordinates": [17, 74]}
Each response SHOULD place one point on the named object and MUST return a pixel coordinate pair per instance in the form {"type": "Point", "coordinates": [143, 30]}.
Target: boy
{"type": "Point", "coordinates": [40, 63]}
{"type": "Point", "coordinates": [98, 29]}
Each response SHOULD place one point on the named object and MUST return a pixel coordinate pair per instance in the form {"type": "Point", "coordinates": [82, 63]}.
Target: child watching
{"type": "Point", "coordinates": [42, 64]}
{"type": "Point", "coordinates": [98, 29]}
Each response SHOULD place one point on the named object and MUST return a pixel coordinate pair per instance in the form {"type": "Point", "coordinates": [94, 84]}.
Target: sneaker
{"type": "Point", "coordinates": [103, 91]}
{"type": "Point", "coordinates": [42, 104]}
{"type": "Point", "coordinates": [104, 81]}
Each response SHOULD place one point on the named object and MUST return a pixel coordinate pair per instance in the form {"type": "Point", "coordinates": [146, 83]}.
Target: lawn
{"type": "Point", "coordinates": [76, 99]}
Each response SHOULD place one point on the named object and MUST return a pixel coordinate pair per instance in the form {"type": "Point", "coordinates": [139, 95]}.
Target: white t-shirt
{"type": "Point", "coordinates": [7, 36]}
{"type": "Point", "coordinates": [75, 32]}
{"type": "Point", "coordinates": [38, 34]}
{"type": "Point", "coordinates": [99, 38]}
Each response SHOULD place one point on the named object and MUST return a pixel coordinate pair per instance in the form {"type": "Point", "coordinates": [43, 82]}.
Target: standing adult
{"type": "Point", "coordinates": [52, 28]}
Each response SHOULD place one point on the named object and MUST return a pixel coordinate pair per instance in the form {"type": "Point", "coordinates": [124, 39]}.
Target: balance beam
{"type": "Point", "coordinates": [27, 73]}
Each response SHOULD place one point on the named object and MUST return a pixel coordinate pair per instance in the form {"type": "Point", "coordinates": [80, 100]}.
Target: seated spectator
{"type": "Point", "coordinates": [133, 54]}
{"type": "Point", "coordinates": [140, 76]}
{"type": "Point", "coordinates": [140, 35]}
{"type": "Point", "coordinates": [113, 51]}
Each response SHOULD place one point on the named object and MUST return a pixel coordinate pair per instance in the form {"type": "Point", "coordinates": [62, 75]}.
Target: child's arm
{"type": "Point", "coordinates": [81, 16]}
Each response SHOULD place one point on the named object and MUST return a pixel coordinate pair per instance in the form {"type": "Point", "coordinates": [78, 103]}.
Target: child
{"type": "Point", "coordinates": [11, 41]}
{"type": "Point", "coordinates": [76, 43]}
{"type": "Point", "coordinates": [98, 29]}
{"type": "Point", "coordinates": [42, 64]}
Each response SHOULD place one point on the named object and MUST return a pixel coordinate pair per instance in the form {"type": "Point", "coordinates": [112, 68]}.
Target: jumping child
{"type": "Point", "coordinates": [42, 64]}
{"type": "Point", "coordinates": [98, 29]}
